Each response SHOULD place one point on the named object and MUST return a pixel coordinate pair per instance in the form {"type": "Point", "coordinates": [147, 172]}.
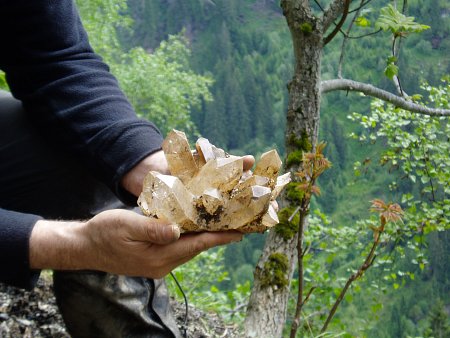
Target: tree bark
{"type": "Point", "coordinates": [267, 309]}
{"type": "Point", "coordinates": [370, 90]}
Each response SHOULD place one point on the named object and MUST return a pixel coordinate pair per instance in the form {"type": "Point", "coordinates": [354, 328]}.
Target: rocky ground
{"type": "Point", "coordinates": [34, 314]}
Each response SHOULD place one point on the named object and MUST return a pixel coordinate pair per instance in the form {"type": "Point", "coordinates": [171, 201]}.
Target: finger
{"type": "Point", "coordinates": [249, 161]}
{"type": "Point", "coordinates": [193, 244]}
{"type": "Point", "coordinates": [189, 246]}
{"type": "Point", "coordinates": [154, 231]}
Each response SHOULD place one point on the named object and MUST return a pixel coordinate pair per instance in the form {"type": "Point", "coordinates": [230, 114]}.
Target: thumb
{"type": "Point", "coordinates": [158, 232]}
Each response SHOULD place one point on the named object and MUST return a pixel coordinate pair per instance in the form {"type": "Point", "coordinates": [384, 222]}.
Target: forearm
{"type": "Point", "coordinates": [120, 242]}
{"type": "Point", "coordinates": [59, 245]}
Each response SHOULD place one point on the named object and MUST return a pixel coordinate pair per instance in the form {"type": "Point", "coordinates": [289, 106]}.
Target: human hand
{"type": "Point", "coordinates": [119, 242]}
{"type": "Point", "coordinates": [132, 181]}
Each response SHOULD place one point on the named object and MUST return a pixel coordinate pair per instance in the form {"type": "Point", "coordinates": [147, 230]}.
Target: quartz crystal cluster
{"type": "Point", "coordinates": [209, 191]}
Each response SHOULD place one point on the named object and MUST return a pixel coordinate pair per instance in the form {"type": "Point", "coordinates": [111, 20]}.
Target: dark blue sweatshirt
{"type": "Point", "coordinates": [68, 90]}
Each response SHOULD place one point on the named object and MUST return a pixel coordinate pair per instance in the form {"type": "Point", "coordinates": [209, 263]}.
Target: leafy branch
{"type": "Point", "coordinates": [313, 165]}
{"type": "Point", "coordinates": [400, 26]}
{"type": "Point", "coordinates": [388, 213]}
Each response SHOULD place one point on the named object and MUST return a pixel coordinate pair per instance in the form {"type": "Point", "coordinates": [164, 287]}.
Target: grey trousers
{"type": "Point", "coordinates": [38, 177]}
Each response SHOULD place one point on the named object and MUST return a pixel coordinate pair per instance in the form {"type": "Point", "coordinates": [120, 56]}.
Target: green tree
{"type": "Point", "coordinates": [161, 86]}
{"type": "Point", "coordinates": [311, 29]}
{"type": "Point", "coordinates": [439, 322]}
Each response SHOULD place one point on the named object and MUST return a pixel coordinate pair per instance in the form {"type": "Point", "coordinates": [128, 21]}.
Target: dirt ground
{"type": "Point", "coordinates": [34, 314]}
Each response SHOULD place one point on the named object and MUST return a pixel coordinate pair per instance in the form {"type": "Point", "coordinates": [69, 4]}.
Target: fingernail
{"type": "Point", "coordinates": [176, 231]}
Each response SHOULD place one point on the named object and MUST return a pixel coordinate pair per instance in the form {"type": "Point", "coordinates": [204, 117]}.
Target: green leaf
{"type": "Point", "coordinates": [392, 59]}
{"type": "Point", "coordinates": [3, 83]}
{"type": "Point", "coordinates": [362, 22]}
{"type": "Point", "coordinates": [416, 97]}
{"type": "Point", "coordinates": [349, 298]}
{"type": "Point", "coordinates": [377, 307]}
{"type": "Point", "coordinates": [391, 70]}
{"type": "Point", "coordinates": [392, 20]}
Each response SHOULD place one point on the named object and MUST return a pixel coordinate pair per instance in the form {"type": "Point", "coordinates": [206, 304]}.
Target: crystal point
{"type": "Point", "coordinates": [208, 190]}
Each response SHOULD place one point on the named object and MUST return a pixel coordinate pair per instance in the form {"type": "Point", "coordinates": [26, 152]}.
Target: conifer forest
{"type": "Point", "coordinates": [364, 250]}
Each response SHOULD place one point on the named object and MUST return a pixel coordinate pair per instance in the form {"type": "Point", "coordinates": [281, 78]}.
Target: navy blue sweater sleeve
{"type": "Point", "coordinates": [15, 232]}
{"type": "Point", "coordinates": [68, 90]}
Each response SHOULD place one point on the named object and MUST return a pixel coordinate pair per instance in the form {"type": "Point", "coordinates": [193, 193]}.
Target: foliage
{"type": "Point", "coordinates": [400, 26]}
{"type": "Point", "coordinates": [160, 85]}
{"type": "Point", "coordinates": [417, 154]}
{"type": "Point", "coordinates": [201, 280]}
{"type": "Point", "coordinates": [392, 20]}
{"type": "Point", "coordinates": [418, 146]}
{"type": "Point", "coordinates": [229, 40]}
{"type": "Point", "coordinates": [3, 84]}
{"type": "Point", "coordinates": [247, 48]}
{"type": "Point", "coordinates": [388, 212]}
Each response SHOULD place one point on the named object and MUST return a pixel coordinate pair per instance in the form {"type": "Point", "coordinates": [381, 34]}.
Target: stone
{"type": "Point", "coordinates": [221, 173]}
{"type": "Point", "coordinates": [269, 166]}
{"type": "Point", "coordinates": [208, 190]}
{"type": "Point", "coordinates": [165, 197]}
{"type": "Point", "coordinates": [281, 182]}
{"type": "Point", "coordinates": [179, 156]}
{"type": "Point", "coordinates": [212, 200]}
{"type": "Point", "coordinates": [204, 150]}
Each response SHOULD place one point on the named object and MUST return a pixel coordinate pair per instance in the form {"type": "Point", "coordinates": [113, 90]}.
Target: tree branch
{"type": "Point", "coordinates": [369, 90]}
{"type": "Point", "coordinates": [339, 25]}
{"type": "Point", "coordinates": [319, 5]}
{"type": "Point", "coordinates": [344, 41]}
{"type": "Point", "coordinates": [360, 7]}
{"type": "Point", "coordinates": [334, 10]}
{"type": "Point", "coordinates": [364, 35]}
{"type": "Point", "coordinates": [367, 264]}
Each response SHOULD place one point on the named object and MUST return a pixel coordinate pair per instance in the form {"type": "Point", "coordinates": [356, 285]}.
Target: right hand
{"type": "Point", "coordinates": [120, 242]}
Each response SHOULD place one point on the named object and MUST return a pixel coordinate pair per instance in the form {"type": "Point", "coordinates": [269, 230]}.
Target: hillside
{"type": "Point", "coordinates": [245, 47]}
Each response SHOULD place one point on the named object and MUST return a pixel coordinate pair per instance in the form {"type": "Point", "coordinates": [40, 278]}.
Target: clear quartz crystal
{"type": "Point", "coordinates": [208, 190]}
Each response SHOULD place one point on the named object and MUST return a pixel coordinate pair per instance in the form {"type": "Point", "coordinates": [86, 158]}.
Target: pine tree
{"type": "Point", "coordinates": [439, 322]}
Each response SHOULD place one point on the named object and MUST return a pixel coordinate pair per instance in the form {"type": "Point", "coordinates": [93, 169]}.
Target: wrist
{"type": "Point", "coordinates": [59, 246]}
{"type": "Point", "coordinates": [132, 181]}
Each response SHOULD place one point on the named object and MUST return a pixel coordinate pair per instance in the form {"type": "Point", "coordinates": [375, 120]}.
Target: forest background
{"type": "Point", "coordinates": [219, 69]}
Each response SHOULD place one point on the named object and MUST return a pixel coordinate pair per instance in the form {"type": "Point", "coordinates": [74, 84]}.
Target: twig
{"type": "Point", "coordinates": [309, 294]}
{"type": "Point", "coordinates": [367, 264]}
{"type": "Point", "coordinates": [300, 252]}
{"type": "Point", "coordinates": [428, 173]}
{"type": "Point", "coordinates": [364, 35]}
{"type": "Point", "coordinates": [360, 7]}
{"type": "Point", "coordinates": [319, 5]}
{"type": "Point", "coordinates": [344, 41]}
{"type": "Point", "coordinates": [339, 25]}
{"type": "Point", "coordinates": [293, 214]}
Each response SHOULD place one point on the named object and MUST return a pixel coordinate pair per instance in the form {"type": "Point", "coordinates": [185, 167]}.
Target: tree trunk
{"type": "Point", "coordinates": [266, 312]}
